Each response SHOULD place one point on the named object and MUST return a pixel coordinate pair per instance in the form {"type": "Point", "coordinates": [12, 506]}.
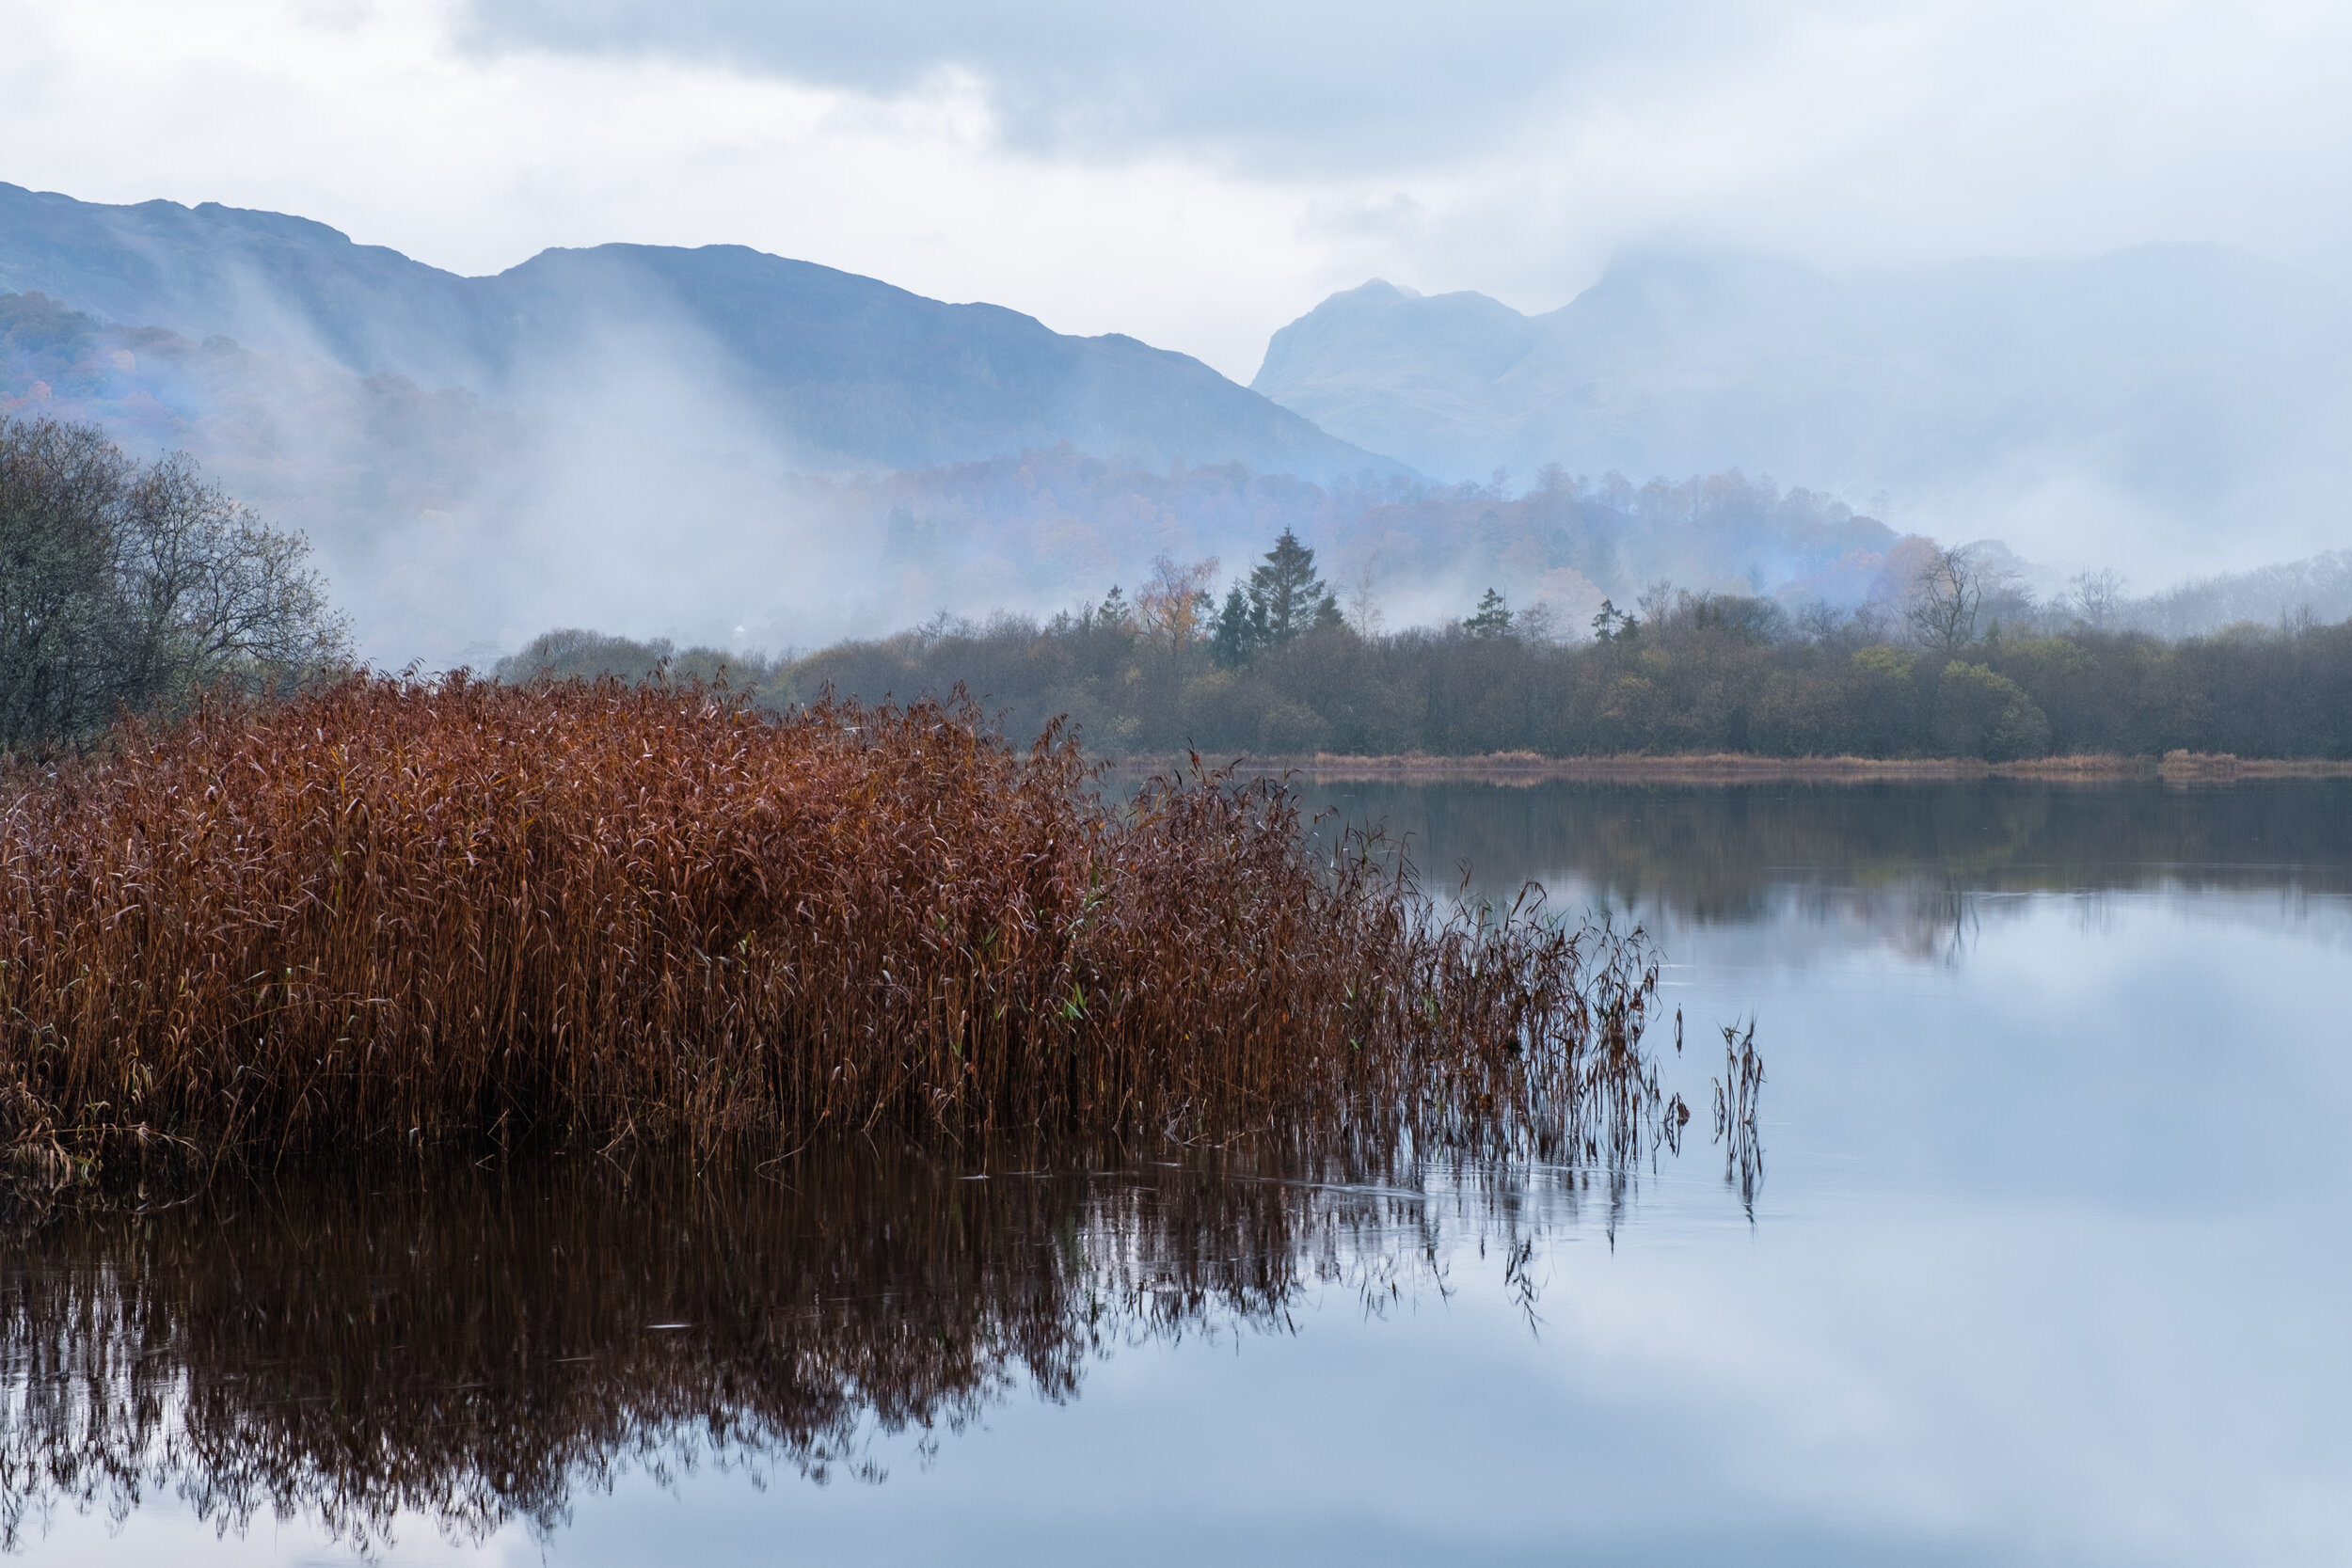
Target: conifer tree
{"type": "Point", "coordinates": [1493, 618]}
{"type": "Point", "coordinates": [1286, 597]}
{"type": "Point", "coordinates": [1235, 640]}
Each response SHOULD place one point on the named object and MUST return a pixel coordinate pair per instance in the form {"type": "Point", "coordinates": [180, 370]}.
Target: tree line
{"type": "Point", "coordinates": [1961, 665]}
{"type": "Point", "coordinates": [130, 587]}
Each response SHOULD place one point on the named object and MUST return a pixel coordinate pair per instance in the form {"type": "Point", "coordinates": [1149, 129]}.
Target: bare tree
{"type": "Point", "coordinates": [130, 588]}
{"type": "Point", "coordinates": [1818, 622]}
{"type": "Point", "coordinates": [1363, 611]}
{"type": "Point", "coordinates": [1946, 599]}
{"type": "Point", "coordinates": [2096, 597]}
{"type": "Point", "coordinates": [1539, 623]}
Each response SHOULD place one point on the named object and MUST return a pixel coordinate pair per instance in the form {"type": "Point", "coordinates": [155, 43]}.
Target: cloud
{"type": "Point", "coordinates": [1199, 176]}
{"type": "Point", "coordinates": [1513, 148]}
{"type": "Point", "coordinates": [374, 121]}
{"type": "Point", "coordinates": [1987, 123]}
{"type": "Point", "coordinates": [1314, 89]}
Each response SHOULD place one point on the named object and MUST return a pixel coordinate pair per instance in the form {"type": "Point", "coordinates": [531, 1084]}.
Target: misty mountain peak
{"type": "Point", "coordinates": [1380, 318]}
{"type": "Point", "coordinates": [2185, 381]}
{"type": "Point", "coordinates": [1351, 354]}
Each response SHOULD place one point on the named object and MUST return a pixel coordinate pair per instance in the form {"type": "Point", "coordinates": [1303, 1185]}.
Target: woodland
{"type": "Point", "coordinates": [1959, 664]}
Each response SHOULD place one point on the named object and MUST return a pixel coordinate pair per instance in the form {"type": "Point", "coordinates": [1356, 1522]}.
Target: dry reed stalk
{"type": "Point", "coordinates": [405, 910]}
{"type": "Point", "coordinates": [1737, 1093]}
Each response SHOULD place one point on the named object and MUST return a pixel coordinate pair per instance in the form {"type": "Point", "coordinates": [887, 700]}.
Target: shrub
{"type": "Point", "coordinates": [1981, 713]}
{"type": "Point", "coordinates": [570, 653]}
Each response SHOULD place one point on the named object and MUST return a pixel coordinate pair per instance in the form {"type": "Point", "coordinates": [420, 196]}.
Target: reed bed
{"type": "Point", "coordinates": [411, 910]}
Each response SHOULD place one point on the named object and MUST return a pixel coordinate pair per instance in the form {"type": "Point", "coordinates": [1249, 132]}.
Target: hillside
{"type": "Point", "coordinates": [807, 365]}
{"type": "Point", "coordinates": [454, 530]}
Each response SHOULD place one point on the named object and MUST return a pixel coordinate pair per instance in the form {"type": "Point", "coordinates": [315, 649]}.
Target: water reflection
{"type": "Point", "coordinates": [2046, 1269]}
{"type": "Point", "coordinates": [1914, 867]}
{"type": "Point", "coordinates": [478, 1345]}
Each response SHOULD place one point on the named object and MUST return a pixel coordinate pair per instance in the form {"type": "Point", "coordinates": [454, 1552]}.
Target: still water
{"type": "Point", "coordinates": [2047, 1262]}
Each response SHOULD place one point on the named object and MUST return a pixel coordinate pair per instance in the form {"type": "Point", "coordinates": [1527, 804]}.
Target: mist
{"type": "Point", "coordinates": [2166, 409]}
{"type": "Point", "coordinates": [658, 442]}
{"type": "Point", "coordinates": [449, 530]}
{"type": "Point", "coordinates": [743, 452]}
{"type": "Point", "coordinates": [622, 485]}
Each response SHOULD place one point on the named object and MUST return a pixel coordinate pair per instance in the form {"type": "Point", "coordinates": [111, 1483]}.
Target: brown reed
{"type": "Point", "coordinates": [416, 909]}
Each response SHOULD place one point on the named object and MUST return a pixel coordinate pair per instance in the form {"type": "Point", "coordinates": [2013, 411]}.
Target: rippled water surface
{"type": "Point", "coordinates": [2047, 1262]}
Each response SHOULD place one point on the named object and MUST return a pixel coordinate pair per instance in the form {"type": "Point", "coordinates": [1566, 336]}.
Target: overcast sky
{"type": "Point", "coordinates": [1198, 175]}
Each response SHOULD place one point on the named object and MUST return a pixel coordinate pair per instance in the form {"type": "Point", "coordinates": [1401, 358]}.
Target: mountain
{"type": "Point", "coordinates": [825, 369]}
{"type": "Point", "coordinates": [452, 531]}
{"type": "Point", "coordinates": [2177, 388]}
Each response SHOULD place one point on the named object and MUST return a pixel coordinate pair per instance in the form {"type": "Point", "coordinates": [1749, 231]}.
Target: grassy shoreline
{"type": "Point", "coordinates": [1730, 768]}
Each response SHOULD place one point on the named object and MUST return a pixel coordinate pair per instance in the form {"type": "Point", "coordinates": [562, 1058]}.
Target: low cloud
{"type": "Point", "coordinates": [1301, 88]}
{"type": "Point", "coordinates": [1199, 176]}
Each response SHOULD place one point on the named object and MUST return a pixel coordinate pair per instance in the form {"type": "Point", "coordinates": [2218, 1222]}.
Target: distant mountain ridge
{"type": "Point", "coordinates": [837, 370]}
{"type": "Point", "coordinates": [717, 443]}
{"type": "Point", "coordinates": [2195, 379]}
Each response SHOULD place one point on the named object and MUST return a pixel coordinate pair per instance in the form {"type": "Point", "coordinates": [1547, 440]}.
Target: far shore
{"type": "Point", "coordinates": [1528, 768]}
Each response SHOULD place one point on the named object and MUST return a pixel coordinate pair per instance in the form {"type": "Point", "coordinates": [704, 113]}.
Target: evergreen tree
{"type": "Point", "coordinates": [1493, 618]}
{"type": "Point", "coordinates": [1286, 597]}
{"type": "Point", "coordinates": [1613, 625]}
{"type": "Point", "coordinates": [1235, 640]}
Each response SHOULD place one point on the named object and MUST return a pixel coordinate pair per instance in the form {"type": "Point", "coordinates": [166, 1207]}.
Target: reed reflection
{"type": "Point", "coordinates": [476, 1345]}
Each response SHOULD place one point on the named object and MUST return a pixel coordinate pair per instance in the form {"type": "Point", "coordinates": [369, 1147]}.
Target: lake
{"type": "Point", "coordinates": [2040, 1257]}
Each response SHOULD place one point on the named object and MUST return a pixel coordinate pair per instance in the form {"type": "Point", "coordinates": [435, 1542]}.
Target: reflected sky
{"type": "Point", "coordinates": [2046, 1266]}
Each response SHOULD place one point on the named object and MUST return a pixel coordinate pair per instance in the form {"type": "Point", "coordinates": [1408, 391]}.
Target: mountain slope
{"type": "Point", "coordinates": [862, 372]}
{"type": "Point", "coordinates": [824, 367]}
{"type": "Point", "coordinates": [2191, 381]}
{"type": "Point", "coordinates": [452, 531]}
